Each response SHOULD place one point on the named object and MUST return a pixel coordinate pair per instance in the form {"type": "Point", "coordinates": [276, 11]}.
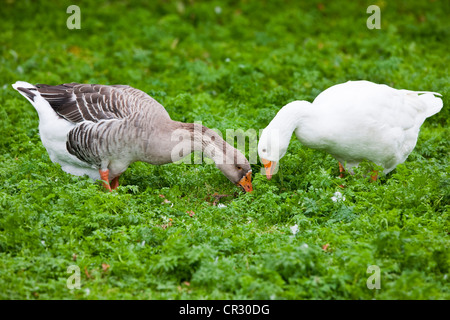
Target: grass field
{"type": "Point", "coordinates": [229, 65]}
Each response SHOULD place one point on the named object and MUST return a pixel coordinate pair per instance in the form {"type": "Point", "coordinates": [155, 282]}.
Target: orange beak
{"type": "Point", "coordinates": [269, 166]}
{"type": "Point", "coordinates": [246, 182]}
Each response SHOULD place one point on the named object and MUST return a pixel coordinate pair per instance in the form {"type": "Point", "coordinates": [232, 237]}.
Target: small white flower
{"type": "Point", "coordinates": [338, 197]}
{"type": "Point", "coordinates": [143, 243]}
{"type": "Point", "coordinates": [87, 291]}
{"type": "Point", "coordinates": [227, 60]}
{"type": "Point", "coordinates": [43, 242]}
{"type": "Point", "coordinates": [218, 10]}
{"type": "Point", "coordinates": [221, 205]}
{"type": "Point", "coordinates": [294, 229]}
{"type": "Point", "coordinates": [305, 245]}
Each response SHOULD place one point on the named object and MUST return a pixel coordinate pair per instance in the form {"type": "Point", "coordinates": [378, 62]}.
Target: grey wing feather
{"type": "Point", "coordinates": [82, 143]}
{"type": "Point", "coordinates": [93, 142]}
{"type": "Point", "coordinates": [93, 102]}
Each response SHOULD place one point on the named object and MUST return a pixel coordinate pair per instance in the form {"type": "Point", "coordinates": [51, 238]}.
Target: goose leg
{"type": "Point", "coordinates": [374, 176]}
{"type": "Point", "coordinates": [104, 175]}
{"type": "Point", "coordinates": [341, 170]}
{"type": "Point", "coordinates": [115, 183]}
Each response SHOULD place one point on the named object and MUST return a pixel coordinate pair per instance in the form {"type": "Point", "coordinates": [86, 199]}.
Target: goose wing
{"type": "Point", "coordinates": [93, 102]}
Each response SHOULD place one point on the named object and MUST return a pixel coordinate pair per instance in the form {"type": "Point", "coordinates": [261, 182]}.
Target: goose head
{"type": "Point", "coordinates": [275, 138]}
{"type": "Point", "coordinates": [271, 148]}
{"type": "Point", "coordinates": [236, 168]}
{"type": "Point", "coordinates": [239, 174]}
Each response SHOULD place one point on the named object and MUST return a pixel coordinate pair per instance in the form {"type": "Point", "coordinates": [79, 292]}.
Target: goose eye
{"type": "Point", "coordinates": [264, 150]}
{"type": "Point", "coordinates": [239, 167]}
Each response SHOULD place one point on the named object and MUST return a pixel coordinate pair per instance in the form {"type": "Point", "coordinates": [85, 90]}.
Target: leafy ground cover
{"type": "Point", "coordinates": [230, 65]}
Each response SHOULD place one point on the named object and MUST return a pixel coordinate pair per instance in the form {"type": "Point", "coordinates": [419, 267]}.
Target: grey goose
{"type": "Point", "coordinates": [99, 130]}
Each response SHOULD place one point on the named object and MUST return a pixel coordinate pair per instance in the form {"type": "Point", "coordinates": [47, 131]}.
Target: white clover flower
{"type": "Point", "coordinates": [294, 229]}
{"type": "Point", "coordinates": [221, 205]}
{"type": "Point", "coordinates": [338, 197]}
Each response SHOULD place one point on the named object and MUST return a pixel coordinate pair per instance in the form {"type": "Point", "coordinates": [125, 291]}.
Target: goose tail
{"type": "Point", "coordinates": [31, 93]}
{"type": "Point", "coordinates": [26, 89]}
{"type": "Point", "coordinates": [433, 104]}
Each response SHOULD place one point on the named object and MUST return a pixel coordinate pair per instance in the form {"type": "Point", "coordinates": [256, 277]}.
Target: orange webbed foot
{"type": "Point", "coordinates": [104, 175]}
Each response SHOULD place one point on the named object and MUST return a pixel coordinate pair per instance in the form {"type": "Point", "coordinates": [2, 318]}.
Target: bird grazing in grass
{"type": "Point", "coordinates": [353, 121]}
{"type": "Point", "coordinates": [99, 130]}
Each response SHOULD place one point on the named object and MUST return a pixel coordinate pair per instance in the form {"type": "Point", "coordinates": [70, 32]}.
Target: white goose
{"type": "Point", "coordinates": [353, 121]}
{"type": "Point", "coordinates": [99, 130]}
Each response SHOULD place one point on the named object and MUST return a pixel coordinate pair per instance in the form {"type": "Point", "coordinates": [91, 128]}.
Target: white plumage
{"type": "Point", "coordinates": [53, 130]}
{"type": "Point", "coordinates": [352, 121]}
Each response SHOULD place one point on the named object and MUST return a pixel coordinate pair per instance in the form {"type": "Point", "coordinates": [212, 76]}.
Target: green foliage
{"type": "Point", "coordinates": [159, 236]}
